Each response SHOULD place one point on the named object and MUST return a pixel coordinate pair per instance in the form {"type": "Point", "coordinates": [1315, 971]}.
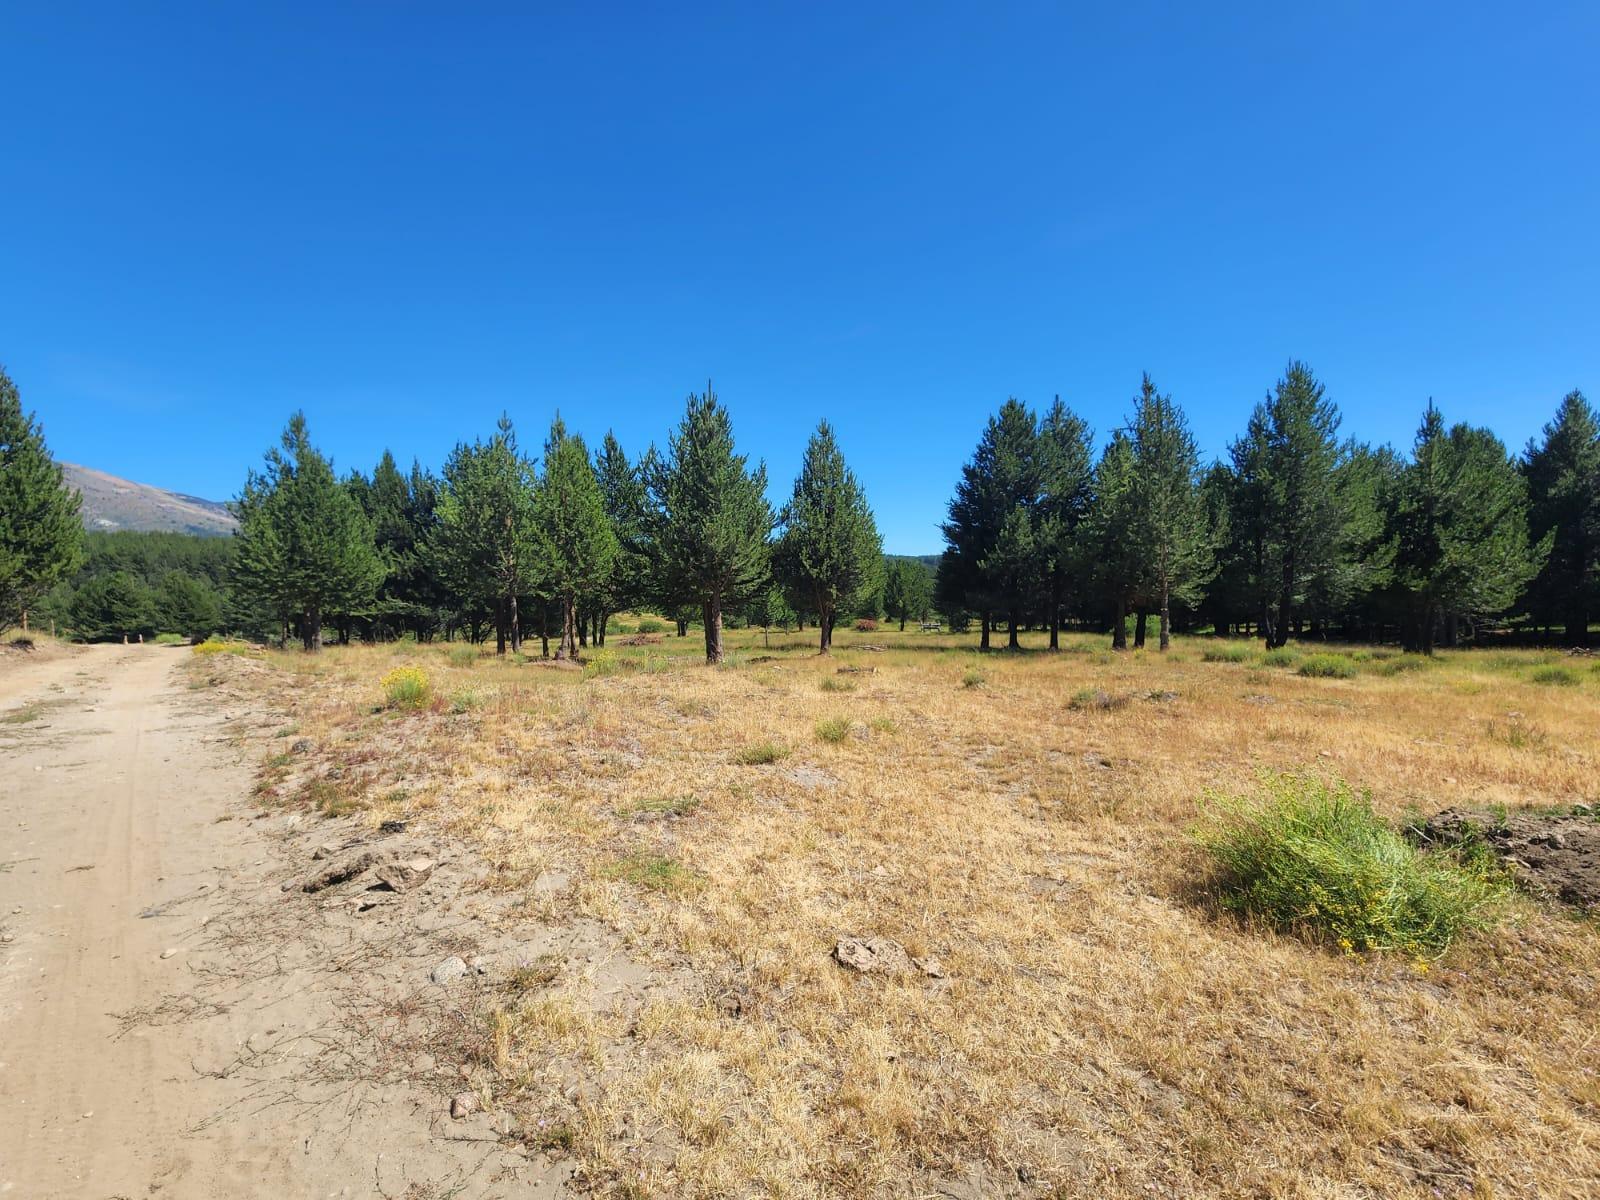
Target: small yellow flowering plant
{"type": "Point", "coordinates": [407, 688]}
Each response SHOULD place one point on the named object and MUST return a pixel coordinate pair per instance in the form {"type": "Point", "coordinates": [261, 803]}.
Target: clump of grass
{"type": "Point", "coordinates": [884, 725]}
{"type": "Point", "coordinates": [760, 754]}
{"type": "Point", "coordinates": [834, 730]}
{"type": "Point", "coordinates": [655, 872]}
{"type": "Point", "coordinates": [973, 678]}
{"type": "Point", "coordinates": [462, 656]}
{"type": "Point", "coordinates": [407, 688]}
{"type": "Point", "coordinates": [1092, 699]}
{"type": "Point", "coordinates": [601, 663]}
{"type": "Point", "coordinates": [1518, 734]}
{"type": "Point", "coordinates": [649, 625]}
{"type": "Point", "coordinates": [170, 639]}
{"type": "Point", "coordinates": [1555, 677]}
{"type": "Point", "coordinates": [661, 806]}
{"type": "Point", "coordinates": [1328, 666]}
{"type": "Point", "coordinates": [1403, 664]}
{"type": "Point", "coordinates": [1313, 858]}
{"type": "Point", "coordinates": [832, 684]}
{"type": "Point", "coordinates": [1225, 654]}
{"type": "Point", "coordinates": [329, 799]}
{"type": "Point", "coordinates": [465, 700]}
{"type": "Point", "coordinates": [1281, 657]}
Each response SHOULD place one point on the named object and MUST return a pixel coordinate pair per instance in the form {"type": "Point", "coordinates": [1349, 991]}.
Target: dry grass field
{"type": "Point", "coordinates": [1095, 1024]}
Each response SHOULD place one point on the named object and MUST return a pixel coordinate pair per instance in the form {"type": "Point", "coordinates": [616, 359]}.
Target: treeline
{"type": "Point", "coordinates": [128, 584]}
{"type": "Point", "coordinates": [550, 545]}
{"type": "Point", "coordinates": [1298, 532]}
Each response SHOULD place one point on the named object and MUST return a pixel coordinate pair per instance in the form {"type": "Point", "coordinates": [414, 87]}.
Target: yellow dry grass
{"type": "Point", "coordinates": [1102, 1029]}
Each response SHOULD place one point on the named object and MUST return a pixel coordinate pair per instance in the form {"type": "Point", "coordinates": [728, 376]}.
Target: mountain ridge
{"type": "Point", "coordinates": [112, 503]}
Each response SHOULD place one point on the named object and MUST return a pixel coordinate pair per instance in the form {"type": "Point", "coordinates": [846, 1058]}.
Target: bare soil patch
{"type": "Point", "coordinates": [1554, 853]}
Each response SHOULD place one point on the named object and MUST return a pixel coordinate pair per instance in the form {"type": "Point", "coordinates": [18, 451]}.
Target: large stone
{"type": "Point", "coordinates": [450, 970]}
{"type": "Point", "coordinates": [404, 874]}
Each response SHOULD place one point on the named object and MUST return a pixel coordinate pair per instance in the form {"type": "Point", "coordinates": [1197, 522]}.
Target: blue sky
{"type": "Point", "coordinates": [405, 218]}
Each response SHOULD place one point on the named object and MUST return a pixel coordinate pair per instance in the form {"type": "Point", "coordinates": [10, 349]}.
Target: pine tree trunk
{"type": "Point", "coordinates": [683, 627]}
{"type": "Point", "coordinates": [1166, 618]}
{"type": "Point", "coordinates": [1011, 631]}
{"type": "Point", "coordinates": [313, 632]}
{"type": "Point", "coordinates": [1119, 628]}
{"type": "Point", "coordinates": [1138, 630]}
{"type": "Point", "coordinates": [825, 636]}
{"type": "Point", "coordinates": [983, 639]}
{"type": "Point", "coordinates": [713, 616]}
{"type": "Point", "coordinates": [568, 648]}
{"type": "Point", "coordinates": [902, 622]}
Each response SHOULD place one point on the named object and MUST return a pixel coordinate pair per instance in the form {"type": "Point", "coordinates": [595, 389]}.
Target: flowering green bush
{"type": "Point", "coordinates": [407, 687]}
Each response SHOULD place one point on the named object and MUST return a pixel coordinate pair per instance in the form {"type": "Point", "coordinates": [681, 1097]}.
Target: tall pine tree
{"type": "Point", "coordinates": [1563, 474]}
{"type": "Point", "coordinates": [41, 531]}
{"type": "Point", "coordinates": [305, 548]}
{"type": "Point", "coordinates": [710, 518]}
{"type": "Point", "coordinates": [577, 545]}
{"type": "Point", "coordinates": [830, 551]}
{"type": "Point", "coordinates": [1169, 514]}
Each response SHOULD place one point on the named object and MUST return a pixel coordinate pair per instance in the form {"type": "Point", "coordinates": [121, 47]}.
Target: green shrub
{"type": "Point", "coordinates": [462, 656]}
{"type": "Point", "coordinates": [1281, 657]}
{"type": "Point", "coordinates": [1328, 666]}
{"type": "Point", "coordinates": [1314, 858]}
{"type": "Point", "coordinates": [833, 684]}
{"type": "Point", "coordinates": [834, 729]}
{"type": "Point", "coordinates": [465, 700]}
{"type": "Point", "coordinates": [407, 687]}
{"type": "Point", "coordinates": [973, 678]}
{"type": "Point", "coordinates": [1225, 654]}
{"type": "Point", "coordinates": [170, 639]}
{"type": "Point", "coordinates": [1555, 676]}
{"type": "Point", "coordinates": [866, 625]}
{"type": "Point", "coordinates": [759, 754]}
{"type": "Point", "coordinates": [648, 625]}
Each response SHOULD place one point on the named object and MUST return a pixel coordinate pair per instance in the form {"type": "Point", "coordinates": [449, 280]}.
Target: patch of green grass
{"type": "Point", "coordinates": [1555, 677]}
{"type": "Point", "coordinates": [833, 729]}
{"type": "Point", "coordinates": [24, 715]}
{"type": "Point", "coordinates": [835, 684]}
{"type": "Point", "coordinates": [884, 725]}
{"type": "Point", "coordinates": [287, 731]}
{"type": "Point", "coordinates": [1313, 858]}
{"type": "Point", "coordinates": [462, 656]}
{"type": "Point", "coordinates": [760, 754]}
{"type": "Point", "coordinates": [1328, 666]}
{"type": "Point", "coordinates": [170, 639]}
{"type": "Point", "coordinates": [667, 806]}
{"type": "Point", "coordinates": [465, 700]}
{"type": "Point", "coordinates": [1225, 654]}
{"type": "Point", "coordinates": [1281, 657]}
{"type": "Point", "coordinates": [1095, 700]}
{"type": "Point", "coordinates": [656, 873]}
{"type": "Point", "coordinates": [600, 664]}
{"type": "Point", "coordinates": [973, 678]}
{"type": "Point", "coordinates": [1405, 664]}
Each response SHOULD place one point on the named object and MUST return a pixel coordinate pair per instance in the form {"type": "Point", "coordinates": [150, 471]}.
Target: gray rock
{"type": "Point", "coordinates": [405, 874]}
{"type": "Point", "coordinates": [463, 1104]}
{"type": "Point", "coordinates": [450, 970]}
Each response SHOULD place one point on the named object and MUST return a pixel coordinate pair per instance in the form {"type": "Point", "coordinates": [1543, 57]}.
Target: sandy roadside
{"type": "Point", "coordinates": [166, 1017]}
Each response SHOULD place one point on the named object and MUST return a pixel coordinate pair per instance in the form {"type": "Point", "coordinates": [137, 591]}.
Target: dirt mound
{"type": "Point", "coordinates": [1555, 851]}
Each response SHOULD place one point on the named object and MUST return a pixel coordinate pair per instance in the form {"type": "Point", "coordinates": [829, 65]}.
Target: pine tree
{"type": "Point", "coordinates": [305, 548]}
{"type": "Point", "coordinates": [1288, 516]}
{"type": "Point", "coordinates": [577, 545]}
{"type": "Point", "coordinates": [1459, 520]}
{"type": "Point", "coordinates": [907, 590]}
{"type": "Point", "coordinates": [1169, 515]}
{"type": "Point", "coordinates": [1563, 474]}
{"type": "Point", "coordinates": [991, 564]}
{"type": "Point", "coordinates": [710, 518]}
{"type": "Point", "coordinates": [484, 546]}
{"type": "Point", "coordinates": [830, 551]}
{"type": "Point", "coordinates": [622, 493]}
{"type": "Point", "coordinates": [41, 531]}
{"type": "Point", "coordinates": [1066, 478]}
{"type": "Point", "coordinates": [1108, 537]}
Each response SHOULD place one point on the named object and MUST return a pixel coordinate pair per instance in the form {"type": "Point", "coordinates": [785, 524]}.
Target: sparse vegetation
{"type": "Point", "coordinates": [833, 729]}
{"type": "Point", "coordinates": [1555, 676]}
{"type": "Point", "coordinates": [761, 754]}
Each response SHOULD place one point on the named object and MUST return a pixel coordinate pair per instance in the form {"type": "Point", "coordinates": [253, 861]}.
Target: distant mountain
{"type": "Point", "coordinates": [110, 503]}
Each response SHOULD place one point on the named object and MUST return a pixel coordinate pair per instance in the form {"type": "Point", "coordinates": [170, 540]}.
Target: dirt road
{"type": "Point", "coordinates": [161, 1032]}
